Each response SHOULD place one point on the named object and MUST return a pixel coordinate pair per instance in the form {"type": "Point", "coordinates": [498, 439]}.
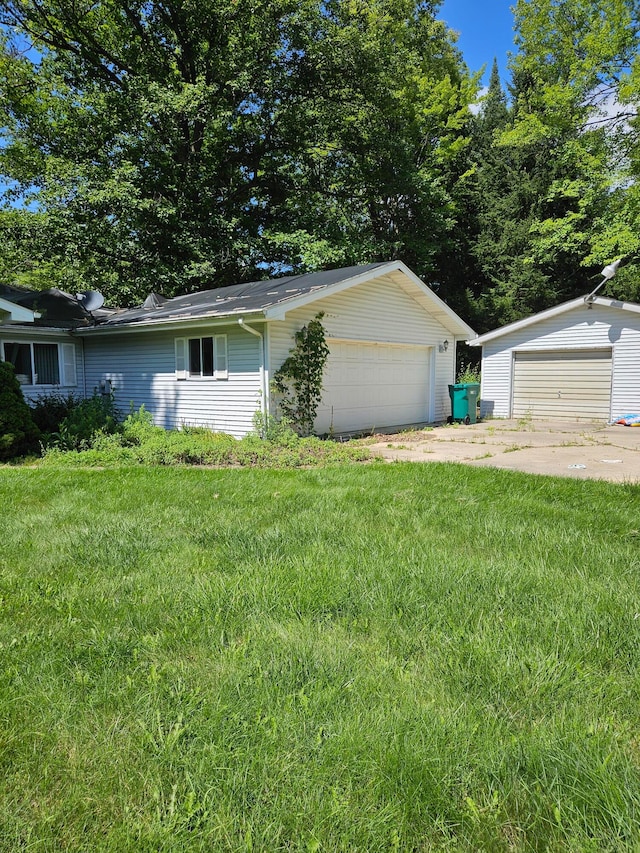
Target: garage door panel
{"type": "Point", "coordinates": [562, 384]}
{"type": "Point", "coordinates": [368, 385]}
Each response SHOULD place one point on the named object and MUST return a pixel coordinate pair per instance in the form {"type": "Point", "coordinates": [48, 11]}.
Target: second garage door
{"type": "Point", "coordinates": [370, 385]}
{"type": "Point", "coordinates": [569, 384]}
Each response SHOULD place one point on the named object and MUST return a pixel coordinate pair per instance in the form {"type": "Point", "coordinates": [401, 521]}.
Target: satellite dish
{"type": "Point", "coordinates": [90, 300]}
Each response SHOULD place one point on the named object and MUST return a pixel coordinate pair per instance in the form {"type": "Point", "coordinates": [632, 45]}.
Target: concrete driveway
{"type": "Point", "coordinates": [565, 449]}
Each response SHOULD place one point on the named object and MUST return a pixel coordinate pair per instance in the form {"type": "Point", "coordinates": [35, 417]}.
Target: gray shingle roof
{"type": "Point", "coordinates": [249, 298]}
{"type": "Point", "coordinates": [57, 309]}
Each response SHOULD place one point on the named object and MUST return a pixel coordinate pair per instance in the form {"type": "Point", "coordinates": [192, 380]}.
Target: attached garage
{"type": "Point", "coordinates": [577, 361]}
{"type": "Point", "coordinates": [552, 383]}
{"type": "Point", "coordinates": [374, 384]}
{"type": "Point", "coordinates": [209, 359]}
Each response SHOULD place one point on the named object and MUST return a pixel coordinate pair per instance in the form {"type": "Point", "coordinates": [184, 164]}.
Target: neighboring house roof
{"type": "Point", "coordinates": [11, 312]}
{"type": "Point", "coordinates": [553, 312]}
{"type": "Point", "coordinates": [273, 298]}
{"type": "Point", "coordinates": [51, 308]}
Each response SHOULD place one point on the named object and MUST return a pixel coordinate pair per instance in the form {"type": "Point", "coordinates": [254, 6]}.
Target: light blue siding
{"type": "Point", "coordinates": [141, 369]}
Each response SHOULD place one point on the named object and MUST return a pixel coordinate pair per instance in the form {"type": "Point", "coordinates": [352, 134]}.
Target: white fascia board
{"type": "Point", "coordinates": [17, 313]}
{"type": "Point", "coordinates": [607, 302]}
{"type": "Point", "coordinates": [458, 325]}
{"type": "Point", "coordinates": [553, 312]}
{"type": "Point", "coordinates": [527, 321]}
{"type": "Point", "coordinates": [169, 324]}
{"type": "Point", "coordinates": [32, 333]}
{"type": "Point", "coordinates": [452, 321]}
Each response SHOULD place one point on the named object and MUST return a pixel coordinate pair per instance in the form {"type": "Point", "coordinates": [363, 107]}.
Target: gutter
{"type": "Point", "coordinates": [168, 324]}
{"type": "Point", "coordinates": [263, 388]}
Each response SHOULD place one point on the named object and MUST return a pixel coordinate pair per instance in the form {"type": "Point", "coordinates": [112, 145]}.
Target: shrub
{"type": "Point", "coordinates": [274, 429]}
{"type": "Point", "coordinates": [18, 433]}
{"type": "Point", "coordinates": [138, 427]}
{"type": "Point", "coordinates": [468, 373]}
{"type": "Point", "coordinates": [97, 414]}
{"type": "Point", "coordinates": [49, 411]}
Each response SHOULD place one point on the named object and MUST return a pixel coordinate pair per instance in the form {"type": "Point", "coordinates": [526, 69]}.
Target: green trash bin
{"type": "Point", "coordinates": [464, 400]}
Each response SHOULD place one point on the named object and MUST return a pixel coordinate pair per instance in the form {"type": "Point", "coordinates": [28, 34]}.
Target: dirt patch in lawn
{"type": "Point", "coordinates": [567, 449]}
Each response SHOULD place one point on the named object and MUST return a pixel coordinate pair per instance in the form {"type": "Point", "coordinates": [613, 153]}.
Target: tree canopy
{"type": "Point", "coordinates": [176, 145]}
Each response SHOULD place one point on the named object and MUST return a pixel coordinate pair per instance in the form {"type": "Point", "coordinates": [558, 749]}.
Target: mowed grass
{"type": "Point", "coordinates": [389, 657]}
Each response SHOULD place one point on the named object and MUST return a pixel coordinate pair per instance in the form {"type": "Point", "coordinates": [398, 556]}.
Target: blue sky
{"type": "Point", "coordinates": [486, 30]}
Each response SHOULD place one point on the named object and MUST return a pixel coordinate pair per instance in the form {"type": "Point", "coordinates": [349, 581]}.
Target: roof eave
{"type": "Point", "coordinates": [18, 313]}
{"type": "Point", "coordinates": [480, 340]}
{"type": "Point", "coordinates": [171, 323]}
{"type": "Point", "coordinates": [448, 316]}
{"type": "Point", "coordinates": [586, 300]}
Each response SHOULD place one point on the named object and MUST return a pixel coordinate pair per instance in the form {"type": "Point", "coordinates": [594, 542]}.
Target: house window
{"type": "Point", "coordinates": [41, 364]}
{"type": "Point", "coordinates": [202, 357]}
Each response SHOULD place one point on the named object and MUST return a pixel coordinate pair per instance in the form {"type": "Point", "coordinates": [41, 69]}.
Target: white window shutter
{"type": "Point", "coordinates": [69, 376]}
{"type": "Point", "coordinates": [181, 358]}
{"type": "Point", "coordinates": [221, 361]}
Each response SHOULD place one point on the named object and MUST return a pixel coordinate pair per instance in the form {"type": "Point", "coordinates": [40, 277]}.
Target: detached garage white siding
{"type": "Point", "coordinates": [141, 368]}
{"type": "Point", "coordinates": [386, 365]}
{"type": "Point", "coordinates": [558, 347]}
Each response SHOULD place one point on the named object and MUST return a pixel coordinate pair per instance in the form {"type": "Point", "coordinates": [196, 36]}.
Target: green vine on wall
{"type": "Point", "coordinates": [298, 380]}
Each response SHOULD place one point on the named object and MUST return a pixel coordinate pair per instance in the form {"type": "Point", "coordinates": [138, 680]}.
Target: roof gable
{"type": "Point", "coordinates": [541, 316]}
{"type": "Point", "coordinates": [273, 299]}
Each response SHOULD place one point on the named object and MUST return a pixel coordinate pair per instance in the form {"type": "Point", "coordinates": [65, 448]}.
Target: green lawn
{"type": "Point", "coordinates": [373, 658]}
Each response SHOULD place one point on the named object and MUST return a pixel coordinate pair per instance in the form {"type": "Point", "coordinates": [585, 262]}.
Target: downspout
{"type": "Point", "coordinates": [263, 390]}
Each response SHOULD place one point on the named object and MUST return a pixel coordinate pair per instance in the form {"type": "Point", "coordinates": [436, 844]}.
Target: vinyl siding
{"type": "Point", "coordinates": [550, 383]}
{"type": "Point", "coordinates": [581, 329]}
{"type": "Point", "coordinates": [377, 311]}
{"type": "Point", "coordinates": [32, 392]}
{"type": "Point", "coordinates": [142, 370]}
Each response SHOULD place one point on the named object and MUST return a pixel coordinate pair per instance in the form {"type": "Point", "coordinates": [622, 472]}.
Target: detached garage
{"type": "Point", "coordinates": [577, 361]}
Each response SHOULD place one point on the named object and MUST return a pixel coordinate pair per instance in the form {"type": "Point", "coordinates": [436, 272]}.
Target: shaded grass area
{"type": "Point", "coordinates": [393, 657]}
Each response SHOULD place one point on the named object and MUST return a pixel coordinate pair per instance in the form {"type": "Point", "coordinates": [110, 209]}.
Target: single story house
{"type": "Point", "coordinates": [575, 361]}
{"type": "Point", "coordinates": [208, 358]}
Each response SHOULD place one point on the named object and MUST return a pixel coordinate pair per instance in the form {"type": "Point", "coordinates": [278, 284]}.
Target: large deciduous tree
{"type": "Point", "coordinates": [580, 58]}
{"type": "Point", "coordinates": [174, 145]}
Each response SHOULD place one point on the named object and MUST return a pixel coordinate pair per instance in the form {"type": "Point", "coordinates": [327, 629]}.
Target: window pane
{"type": "Point", "coordinates": [207, 356]}
{"type": "Point", "coordinates": [47, 370]}
{"type": "Point", "coordinates": [20, 357]}
{"type": "Point", "coordinates": [195, 366]}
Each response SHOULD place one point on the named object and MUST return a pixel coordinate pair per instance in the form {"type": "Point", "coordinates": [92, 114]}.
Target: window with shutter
{"type": "Point", "coordinates": [37, 363]}
{"type": "Point", "coordinates": [202, 357]}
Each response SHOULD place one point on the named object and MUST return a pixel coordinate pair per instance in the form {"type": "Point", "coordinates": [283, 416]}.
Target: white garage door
{"type": "Point", "coordinates": [574, 385]}
{"type": "Point", "coordinates": [373, 385]}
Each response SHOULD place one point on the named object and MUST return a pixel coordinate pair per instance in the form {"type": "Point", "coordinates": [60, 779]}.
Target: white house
{"type": "Point", "coordinates": [208, 358]}
{"type": "Point", "coordinates": [576, 361]}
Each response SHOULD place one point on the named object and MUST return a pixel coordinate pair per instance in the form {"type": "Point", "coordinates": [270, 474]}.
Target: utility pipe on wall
{"type": "Point", "coordinates": [263, 390]}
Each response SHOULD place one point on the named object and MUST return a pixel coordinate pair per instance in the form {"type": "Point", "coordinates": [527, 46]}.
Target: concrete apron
{"type": "Point", "coordinates": [560, 448]}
